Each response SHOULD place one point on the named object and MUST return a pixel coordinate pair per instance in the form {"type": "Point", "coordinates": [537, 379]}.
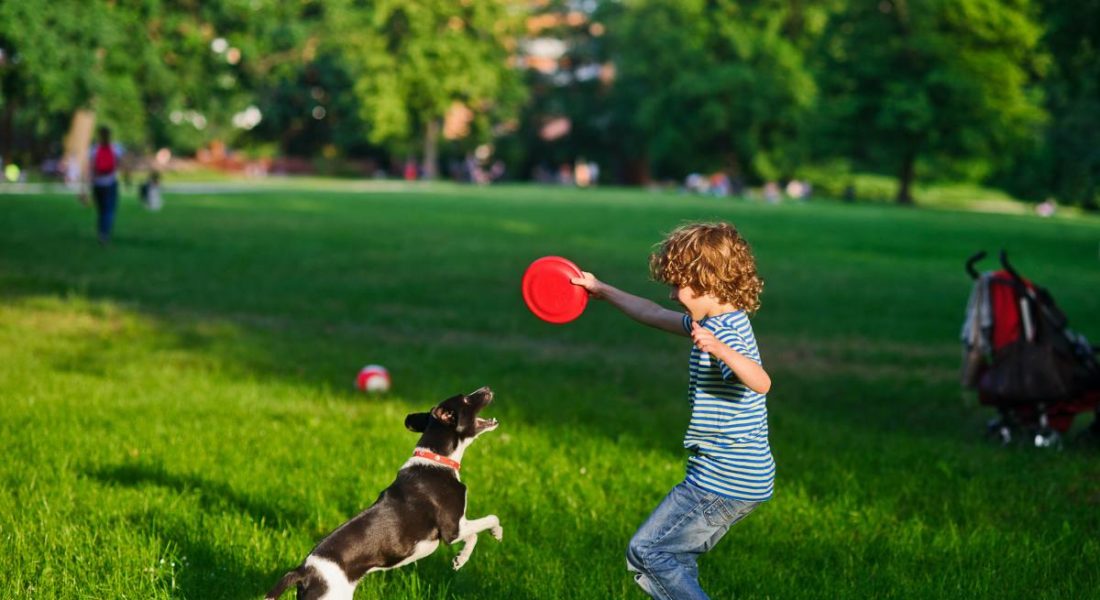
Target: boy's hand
{"type": "Point", "coordinates": [704, 339]}
{"type": "Point", "coordinates": [589, 282]}
{"type": "Point", "coordinates": [747, 371]}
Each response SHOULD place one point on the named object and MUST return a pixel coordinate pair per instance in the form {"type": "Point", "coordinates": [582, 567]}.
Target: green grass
{"type": "Point", "coordinates": [177, 417]}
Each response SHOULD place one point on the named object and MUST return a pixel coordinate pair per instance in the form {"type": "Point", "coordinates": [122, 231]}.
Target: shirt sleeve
{"type": "Point", "coordinates": [687, 324]}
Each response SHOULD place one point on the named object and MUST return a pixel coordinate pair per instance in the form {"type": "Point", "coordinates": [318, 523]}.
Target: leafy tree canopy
{"type": "Point", "coordinates": [713, 84]}
{"type": "Point", "coordinates": [949, 81]}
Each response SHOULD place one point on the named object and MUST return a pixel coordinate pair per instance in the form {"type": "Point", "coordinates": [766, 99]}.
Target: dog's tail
{"type": "Point", "coordinates": [291, 578]}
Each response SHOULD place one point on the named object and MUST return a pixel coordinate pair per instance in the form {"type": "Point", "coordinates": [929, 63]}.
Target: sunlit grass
{"type": "Point", "coordinates": [178, 418]}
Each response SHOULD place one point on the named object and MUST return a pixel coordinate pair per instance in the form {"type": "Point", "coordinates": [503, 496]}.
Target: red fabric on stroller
{"type": "Point", "coordinates": [1007, 328]}
{"type": "Point", "coordinates": [1006, 310]}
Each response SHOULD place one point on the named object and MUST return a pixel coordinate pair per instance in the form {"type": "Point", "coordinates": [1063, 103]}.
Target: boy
{"type": "Point", "coordinates": [712, 275]}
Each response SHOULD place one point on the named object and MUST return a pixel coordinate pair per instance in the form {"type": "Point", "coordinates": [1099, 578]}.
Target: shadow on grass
{"type": "Point", "coordinates": [210, 568]}
{"type": "Point", "coordinates": [212, 496]}
{"type": "Point", "coordinates": [207, 567]}
{"type": "Point", "coordinates": [204, 571]}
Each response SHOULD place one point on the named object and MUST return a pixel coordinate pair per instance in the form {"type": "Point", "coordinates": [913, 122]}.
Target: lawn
{"type": "Point", "coordinates": [178, 420]}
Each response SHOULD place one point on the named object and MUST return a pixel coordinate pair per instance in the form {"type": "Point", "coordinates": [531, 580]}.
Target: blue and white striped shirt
{"type": "Point", "coordinates": [728, 431]}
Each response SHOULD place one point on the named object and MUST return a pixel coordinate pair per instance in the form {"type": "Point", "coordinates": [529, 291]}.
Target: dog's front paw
{"type": "Point", "coordinates": [459, 561]}
{"type": "Point", "coordinates": [497, 532]}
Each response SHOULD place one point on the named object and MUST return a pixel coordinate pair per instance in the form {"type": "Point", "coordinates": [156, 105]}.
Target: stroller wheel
{"type": "Point", "coordinates": [1048, 438]}
{"type": "Point", "coordinates": [1000, 431]}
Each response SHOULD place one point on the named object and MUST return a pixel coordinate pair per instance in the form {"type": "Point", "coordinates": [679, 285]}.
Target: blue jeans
{"type": "Point", "coordinates": [688, 522]}
{"type": "Point", "coordinates": [106, 200]}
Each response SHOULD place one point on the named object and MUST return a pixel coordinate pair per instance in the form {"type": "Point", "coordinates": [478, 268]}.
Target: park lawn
{"type": "Point", "coordinates": [178, 420]}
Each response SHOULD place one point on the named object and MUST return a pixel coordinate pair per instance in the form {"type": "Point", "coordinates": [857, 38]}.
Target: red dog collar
{"type": "Point", "coordinates": [432, 456]}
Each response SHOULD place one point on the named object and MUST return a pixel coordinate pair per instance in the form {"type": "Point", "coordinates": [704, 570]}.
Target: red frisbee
{"type": "Point", "coordinates": [548, 292]}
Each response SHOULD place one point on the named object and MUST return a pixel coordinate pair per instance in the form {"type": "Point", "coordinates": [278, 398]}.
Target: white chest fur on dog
{"type": "Point", "coordinates": [424, 506]}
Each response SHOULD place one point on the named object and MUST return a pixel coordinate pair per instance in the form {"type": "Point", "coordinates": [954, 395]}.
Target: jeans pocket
{"type": "Point", "coordinates": [726, 511]}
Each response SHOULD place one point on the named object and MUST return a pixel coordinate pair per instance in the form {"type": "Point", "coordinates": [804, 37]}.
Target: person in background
{"type": "Point", "coordinates": [103, 174]}
{"type": "Point", "coordinates": [150, 192]}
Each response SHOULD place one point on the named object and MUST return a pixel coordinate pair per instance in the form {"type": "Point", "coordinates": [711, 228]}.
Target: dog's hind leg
{"type": "Point", "coordinates": [468, 544]}
{"type": "Point", "coordinates": [467, 534]}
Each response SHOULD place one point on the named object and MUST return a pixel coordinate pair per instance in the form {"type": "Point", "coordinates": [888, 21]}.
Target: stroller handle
{"type": "Point", "coordinates": [1008, 267]}
{"type": "Point", "coordinates": [970, 264]}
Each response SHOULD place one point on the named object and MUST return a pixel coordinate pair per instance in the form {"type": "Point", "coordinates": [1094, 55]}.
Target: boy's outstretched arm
{"type": "Point", "coordinates": [640, 309]}
{"type": "Point", "coordinates": [746, 369]}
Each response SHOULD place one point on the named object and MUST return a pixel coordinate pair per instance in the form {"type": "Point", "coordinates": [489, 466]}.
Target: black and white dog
{"type": "Point", "coordinates": [426, 504]}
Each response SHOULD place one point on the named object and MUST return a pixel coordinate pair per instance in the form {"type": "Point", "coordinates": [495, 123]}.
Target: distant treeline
{"type": "Point", "coordinates": [1001, 92]}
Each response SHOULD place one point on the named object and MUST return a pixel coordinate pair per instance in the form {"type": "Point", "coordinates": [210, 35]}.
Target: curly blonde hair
{"type": "Point", "coordinates": [710, 258]}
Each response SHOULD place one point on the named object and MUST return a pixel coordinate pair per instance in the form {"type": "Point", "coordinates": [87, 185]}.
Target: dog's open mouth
{"type": "Point", "coordinates": [486, 424]}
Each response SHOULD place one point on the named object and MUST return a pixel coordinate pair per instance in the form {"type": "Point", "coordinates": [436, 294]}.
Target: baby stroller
{"type": "Point", "coordinates": [1023, 360]}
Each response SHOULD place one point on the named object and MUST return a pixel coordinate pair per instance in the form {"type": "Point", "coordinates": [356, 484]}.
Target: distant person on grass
{"type": "Point", "coordinates": [149, 192]}
{"type": "Point", "coordinates": [103, 172]}
{"type": "Point", "coordinates": [730, 471]}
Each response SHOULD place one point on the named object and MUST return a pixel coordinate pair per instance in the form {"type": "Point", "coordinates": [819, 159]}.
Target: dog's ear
{"type": "Point", "coordinates": [417, 422]}
{"type": "Point", "coordinates": [444, 415]}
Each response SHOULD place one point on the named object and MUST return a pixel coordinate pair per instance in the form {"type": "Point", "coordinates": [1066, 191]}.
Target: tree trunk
{"type": "Point", "coordinates": [77, 144]}
{"type": "Point", "coordinates": [636, 172]}
{"type": "Point", "coordinates": [431, 150]}
{"type": "Point", "coordinates": [905, 179]}
{"type": "Point", "coordinates": [7, 130]}
{"type": "Point", "coordinates": [732, 164]}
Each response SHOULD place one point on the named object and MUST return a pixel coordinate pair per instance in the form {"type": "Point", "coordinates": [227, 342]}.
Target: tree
{"type": "Point", "coordinates": [712, 84]}
{"type": "Point", "coordinates": [308, 112]}
{"type": "Point", "coordinates": [1073, 100]}
{"type": "Point", "coordinates": [166, 72]}
{"type": "Point", "coordinates": [948, 81]}
{"type": "Point", "coordinates": [58, 57]}
{"type": "Point", "coordinates": [410, 62]}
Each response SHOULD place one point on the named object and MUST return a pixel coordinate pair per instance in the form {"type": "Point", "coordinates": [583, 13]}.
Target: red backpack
{"type": "Point", "coordinates": [104, 160]}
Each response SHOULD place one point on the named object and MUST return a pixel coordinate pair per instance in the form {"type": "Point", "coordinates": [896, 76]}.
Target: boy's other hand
{"type": "Point", "coordinates": [704, 339]}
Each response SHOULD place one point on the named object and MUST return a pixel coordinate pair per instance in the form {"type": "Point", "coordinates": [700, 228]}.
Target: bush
{"type": "Point", "coordinates": [833, 181]}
